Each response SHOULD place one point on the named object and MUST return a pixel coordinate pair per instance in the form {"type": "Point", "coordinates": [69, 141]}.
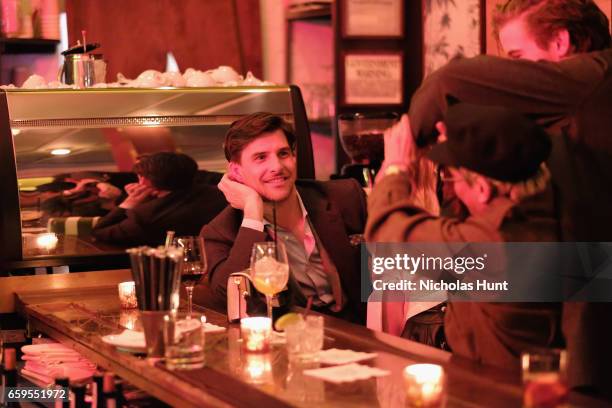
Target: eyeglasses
{"type": "Point", "coordinates": [451, 179]}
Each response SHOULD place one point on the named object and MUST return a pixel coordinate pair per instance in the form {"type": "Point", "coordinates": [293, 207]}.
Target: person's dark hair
{"type": "Point", "coordinates": [586, 24]}
{"type": "Point", "coordinates": [167, 170]}
{"type": "Point", "coordinates": [246, 129]}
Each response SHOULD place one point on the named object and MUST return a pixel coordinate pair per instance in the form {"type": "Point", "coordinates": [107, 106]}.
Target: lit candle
{"type": "Point", "coordinates": [425, 385]}
{"type": "Point", "coordinates": [127, 295]}
{"type": "Point", "coordinates": [46, 241]}
{"type": "Point", "coordinates": [258, 368]}
{"type": "Point", "coordinates": [129, 319]}
{"type": "Point", "coordinates": [256, 333]}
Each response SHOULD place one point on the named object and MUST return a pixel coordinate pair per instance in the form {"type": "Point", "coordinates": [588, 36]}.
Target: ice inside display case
{"type": "Point", "coordinates": [58, 145]}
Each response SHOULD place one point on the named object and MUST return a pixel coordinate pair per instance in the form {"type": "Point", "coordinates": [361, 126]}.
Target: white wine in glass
{"type": "Point", "coordinates": [269, 269]}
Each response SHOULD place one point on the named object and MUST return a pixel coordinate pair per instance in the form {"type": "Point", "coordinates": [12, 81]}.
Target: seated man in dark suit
{"type": "Point", "coordinates": [164, 198]}
{"type": "Point", "coordinates": [316, 219]}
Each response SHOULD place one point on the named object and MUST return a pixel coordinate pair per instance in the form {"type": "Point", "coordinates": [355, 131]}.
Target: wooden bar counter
{"type": "Point", "coordinates": [79, 317]}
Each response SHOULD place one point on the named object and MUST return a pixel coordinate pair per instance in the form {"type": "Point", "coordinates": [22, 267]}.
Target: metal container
{"type": "Point", "coordinates": [83, 70]}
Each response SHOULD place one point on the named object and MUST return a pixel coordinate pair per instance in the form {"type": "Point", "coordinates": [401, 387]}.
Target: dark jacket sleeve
{"type": "Point", "coordinates": [546, 91]}
{"type": "Point", "coordinates": [227, 254]}
{"type": "Point", "coordinates": [119, 227]}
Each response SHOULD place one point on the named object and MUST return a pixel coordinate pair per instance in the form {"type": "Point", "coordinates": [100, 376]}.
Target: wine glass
{"type": "Point", "coordinates": [269, 269]}
{"type": "Point", "coordinates": [194, 264]}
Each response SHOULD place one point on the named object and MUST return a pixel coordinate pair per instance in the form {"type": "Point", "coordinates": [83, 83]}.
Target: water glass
{"type": "Point", "coordinates": [184, 340]}
{"type": "Point", "coordinates": [305, 338]}
{"type": "Point", "coordinates": [544, 378]}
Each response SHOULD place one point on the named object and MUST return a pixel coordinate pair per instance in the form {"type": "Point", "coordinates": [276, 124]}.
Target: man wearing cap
{"type": "Point", "coordinates": [495, 159]}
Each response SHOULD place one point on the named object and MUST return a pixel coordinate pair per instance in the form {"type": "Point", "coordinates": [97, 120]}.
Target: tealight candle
{"type": "Point", "coordinates": [258, 368]}
{"type": "Point", "coordinates": [425, 385]}
{"type": "Point", "coordinates": [127, 295]}
{"type": "Point", "coordinates": [256, 333]}
{"type": "Point", "coordinates": [46, 241]}
{"type": "Point", "coordinates": [129, 319]}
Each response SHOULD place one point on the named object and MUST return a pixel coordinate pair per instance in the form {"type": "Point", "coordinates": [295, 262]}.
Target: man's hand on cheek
{"type": "Point", "coordinates": [242, 197]}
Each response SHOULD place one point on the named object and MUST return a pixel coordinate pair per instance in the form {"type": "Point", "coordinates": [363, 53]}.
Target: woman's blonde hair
{"type": "Point", "coordinates": [515, 191]}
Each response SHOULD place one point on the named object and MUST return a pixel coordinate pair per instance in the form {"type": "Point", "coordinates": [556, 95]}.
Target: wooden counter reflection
{"type": "Point", "coordinates": [79, 317]}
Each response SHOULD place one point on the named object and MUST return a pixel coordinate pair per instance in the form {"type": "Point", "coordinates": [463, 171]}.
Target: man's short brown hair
{"type": "Point", "coordinates": [586, 24]}
{"type": "Point", "coordinates": [167, 170]}
{"type": "Point", "coordinates": [245, 130]}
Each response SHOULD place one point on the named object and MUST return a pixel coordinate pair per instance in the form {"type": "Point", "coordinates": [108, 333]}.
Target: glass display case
{"type": "Point", "coordinates": [56, 143]}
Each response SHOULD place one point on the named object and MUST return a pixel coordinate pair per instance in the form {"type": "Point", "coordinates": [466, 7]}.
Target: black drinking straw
{"type": "Point", "coordinates": [275, 230]}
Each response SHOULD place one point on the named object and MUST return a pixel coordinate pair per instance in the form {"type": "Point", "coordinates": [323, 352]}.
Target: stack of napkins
{"type": "Point", "coordinates": [346, 373]}
{"type": "Point", "coordinates": [45, 362]}
{"type": "Point", "coordinates": [346, 368]}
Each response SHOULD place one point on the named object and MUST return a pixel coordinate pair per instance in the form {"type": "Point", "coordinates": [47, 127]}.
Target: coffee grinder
{"type": "Point", "coordinates": [362, 138]}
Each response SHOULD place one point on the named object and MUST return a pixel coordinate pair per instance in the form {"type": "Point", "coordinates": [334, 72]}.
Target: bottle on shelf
{"type": "Point", "coordinates": [63, 382]}
{"type": "Point", "coordinates": [9, 375]}
{"type": "Point", "coordinates": [78, 392]}
{"type": "Point", "coordinates": [109, 390]}
{"type": "Point", "coordinates": [97, 392]}
{"type": "Point", "coordinates": [119, 393]}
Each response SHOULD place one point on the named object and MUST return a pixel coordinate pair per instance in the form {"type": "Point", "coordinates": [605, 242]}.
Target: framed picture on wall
{"type": "Point", "coordinates": [372, 19]}
{"type": "Point", "coordinates": [372, 78]}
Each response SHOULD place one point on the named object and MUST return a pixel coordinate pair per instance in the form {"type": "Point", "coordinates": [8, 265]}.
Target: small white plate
{"type": "Point", "coordinates": [130, 341]}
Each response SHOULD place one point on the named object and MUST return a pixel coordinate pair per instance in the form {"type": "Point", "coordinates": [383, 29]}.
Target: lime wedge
{"type": "Point", "coordinates": [287, 320]}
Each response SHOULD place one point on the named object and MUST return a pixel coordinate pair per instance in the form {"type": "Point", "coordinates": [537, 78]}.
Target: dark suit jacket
{"type": "Point", "coordinates": [183, 211]}
{"type": "Point", "coordinates": [337, 210]}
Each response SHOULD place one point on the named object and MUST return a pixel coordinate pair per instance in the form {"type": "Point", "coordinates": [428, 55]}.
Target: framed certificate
{"type": "Point", "coordinates": [372, 78]}
{"type": "Point", "coordinates": [373, 18]}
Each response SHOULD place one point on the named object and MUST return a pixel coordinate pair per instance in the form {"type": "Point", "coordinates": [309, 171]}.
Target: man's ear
{"type": "Point", "coordinates": [484, 190]}
{"type": "Point", "coordinates": [561, 44]}
{"type": "Point", "coordinates": [235, 172]}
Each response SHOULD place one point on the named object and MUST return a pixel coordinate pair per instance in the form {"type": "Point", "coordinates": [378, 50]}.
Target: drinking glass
{"type": "Point", "coordinates": [544, 378]}
{"type": "Point", "coordinates": [305, 338]}
{"type": "Point", "coordinates": [194, 264]}
{"type": "Point", "coordinates": [184, 340]}
{"type": "Point", "coordinates": [269, 269]}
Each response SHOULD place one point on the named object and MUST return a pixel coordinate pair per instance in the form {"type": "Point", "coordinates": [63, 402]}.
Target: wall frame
{"type": "Point", "coordinates": [372, 78]}
{"type": "Point", "coordinates": [382, 19]}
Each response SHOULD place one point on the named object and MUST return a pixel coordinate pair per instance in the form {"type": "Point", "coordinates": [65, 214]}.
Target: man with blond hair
{"type": "Point", "coordinates": [560, 74]}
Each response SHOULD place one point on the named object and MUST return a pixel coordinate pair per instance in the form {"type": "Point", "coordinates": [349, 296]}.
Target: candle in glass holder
{"type": "Point", "coordinates": [256, 333]}
{"type": "Point", "coordinates": [127, 295]}
{"type": "Point", "coordinates": [47, 241]}
{"type": "Point", "coordinates": [425, 385]}
{"type": "Point", "coordinates": [258, 368]}
{"type": "Point", "coordinates": [129, 319]}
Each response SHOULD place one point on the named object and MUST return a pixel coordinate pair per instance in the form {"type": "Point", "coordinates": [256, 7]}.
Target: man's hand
{"type": "Point", "coordinates": [137, 194]}
{"type": "Point", "coordinates": [400, 147]}
{"type": "Point", "coordinates": [242, 197]}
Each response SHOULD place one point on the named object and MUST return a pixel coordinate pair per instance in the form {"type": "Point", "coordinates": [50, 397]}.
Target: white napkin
{"type": "Point", "coordinates": [336, 356]}
{"type": "Point", "coordinates": [213, 328]}
{"type": "Point", "coordinates": [346, 373]}
{"type": "Point", "coordinates": [136, 339]}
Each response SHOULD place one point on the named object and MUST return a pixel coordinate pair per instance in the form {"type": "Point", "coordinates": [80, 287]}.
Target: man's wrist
{"type": "Point", "coordinates": [253, 209]}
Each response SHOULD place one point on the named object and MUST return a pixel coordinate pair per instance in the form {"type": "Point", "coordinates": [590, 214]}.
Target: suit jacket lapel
{"type": "Point", "coordinates": [330, 230]}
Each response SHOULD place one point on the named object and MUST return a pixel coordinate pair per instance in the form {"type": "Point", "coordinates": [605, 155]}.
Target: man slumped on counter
{"type": "Point", "coordinates": [495, 162]}
{"type": "Point", "coordinates": [166, 197]}
{"type": "Point", "coordinates": [317, 221]}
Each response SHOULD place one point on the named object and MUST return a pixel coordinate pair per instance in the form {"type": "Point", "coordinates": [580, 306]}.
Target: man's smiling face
{"type": "Point", "coordinates": [268, 165]}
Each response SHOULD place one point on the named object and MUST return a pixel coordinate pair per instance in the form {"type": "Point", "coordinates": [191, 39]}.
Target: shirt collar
{"type": "Point", "coordinates": [304, 212]}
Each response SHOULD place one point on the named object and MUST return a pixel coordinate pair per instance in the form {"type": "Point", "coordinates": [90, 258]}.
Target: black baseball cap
{"type": "Point", "coordinates": [493, 141]}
